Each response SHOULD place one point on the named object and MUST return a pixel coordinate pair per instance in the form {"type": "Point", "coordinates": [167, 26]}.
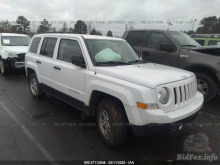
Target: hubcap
{"type": "Point", "coordinates": [104, 123]}
{"type": "Point", "coordinates": [33, 85]}
{"type": "Point", "coordinates": [202, 86]}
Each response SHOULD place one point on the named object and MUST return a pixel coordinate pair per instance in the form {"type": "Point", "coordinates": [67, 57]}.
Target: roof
{"type": "Point", "coordinates": [206, 35]}
{"type": "Point", "coordinates": [77, 35]}
{"type": "Point", "coordinates": [13, 34]}
{"type": "Point", "coordinates": [158, 30]}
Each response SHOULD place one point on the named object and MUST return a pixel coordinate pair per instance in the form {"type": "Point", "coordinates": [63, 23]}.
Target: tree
{"type": "Point", "coordinates": [209, 25]}
{"type": "Point", "coordinates": [5, 26]}
{"type": "Point", "coordinates": [53, 29]}
{"type": "Point", "coordinates": [22, 23]}
{"type": "Point", "coordinates": [109, 34]}
{"type": "Point", "coordinates": [44, 27]}
{"type": "Point", "coordinates": [71, 30]}
{"type": "Point", "coordinates": [64, 28]}
{"type": "Point", "coordinates": [93, 32]}
{"type": "Point", "coordinates": [80, 27]}
{"type": "Point", "coordinates": [98, 33]}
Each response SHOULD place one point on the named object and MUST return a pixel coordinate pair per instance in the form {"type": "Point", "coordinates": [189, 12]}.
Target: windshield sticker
{"type": "Point", "coordinates": [6, 41]}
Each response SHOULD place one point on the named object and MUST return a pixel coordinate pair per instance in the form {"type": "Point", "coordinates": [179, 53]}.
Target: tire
{"type": "Point", "coordinates": [207, 85]}
{"type": "Point", "coordinates": [35, 86]}
{"type": "Point", "coordinates": [111, 119]}
{"type": "Point", "coordinates": [5, 67]}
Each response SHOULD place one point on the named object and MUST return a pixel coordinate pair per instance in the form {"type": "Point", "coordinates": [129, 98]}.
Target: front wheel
{"type": "Point", "coordinates": [111, 120]}
{"type": "Point", "coordinates": [35, 86]}
{"type": "Point", "coordinates": [207, 86]}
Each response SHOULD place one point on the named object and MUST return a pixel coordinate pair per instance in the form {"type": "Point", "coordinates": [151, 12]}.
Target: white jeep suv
{"type": "Point", "coordinates": [104, 76]}
{"type": "Point", "coordinates": [13, 48]}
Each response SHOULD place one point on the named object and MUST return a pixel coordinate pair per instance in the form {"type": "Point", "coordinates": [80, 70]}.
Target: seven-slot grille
{"type": "Point", "coordinates": [181, 93]}
{"type": "Point", "coordinates": [185, 93]}
{"type": "Point", "coordinates": [21, 57]}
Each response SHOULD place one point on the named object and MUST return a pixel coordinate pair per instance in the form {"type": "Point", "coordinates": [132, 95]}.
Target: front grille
{"type": "Point", "coordinates": [21, 57]}
{"type": "Point", "coordinates": [184, 93]}
{"type": "Point", "coordinates": [181, 93]}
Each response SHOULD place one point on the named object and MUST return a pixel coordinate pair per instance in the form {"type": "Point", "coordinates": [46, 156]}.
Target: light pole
{"type": "Point", "coordinates": [193, 21]}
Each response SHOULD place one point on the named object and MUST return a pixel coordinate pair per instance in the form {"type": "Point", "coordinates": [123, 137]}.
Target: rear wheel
{"type": "Point", "coordinates": [207, 85]}
{"type": "Point", "coordinates": [5, 67]}
{"type": "Point", "coordinates": [35, 86]}
{"type": "Point", "coordinates": [111, 120]}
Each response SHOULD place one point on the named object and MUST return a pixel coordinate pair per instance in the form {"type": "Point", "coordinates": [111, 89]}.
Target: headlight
{"type": "Point", "coordinates": [11, 54]}
{"type": "Point", "coordinates": [163, 96]}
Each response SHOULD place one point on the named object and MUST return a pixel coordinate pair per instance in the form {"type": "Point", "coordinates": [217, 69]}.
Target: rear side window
{"type": "Point", "coordinates": [201, 42]}
{"type": "Point", "coordinates": [68, 48]}
{"type": "Point", "coordinates": [214, 42]}
{"type": "Point", "coordinates": [34, 45]}
{"type": "Point", "coordinates": [135, 38]}
{"type": "Point", "coordinates": [48, 46]}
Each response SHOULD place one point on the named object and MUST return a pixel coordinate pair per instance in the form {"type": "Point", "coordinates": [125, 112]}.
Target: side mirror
{"type": "Point", "coordinates": [166, 47]}
{"type": "Point", "coordinates": [78, 61]}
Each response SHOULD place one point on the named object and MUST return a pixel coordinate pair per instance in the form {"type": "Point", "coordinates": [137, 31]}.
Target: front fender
{"type": "Point", "coordinates": [129, 93]}
{"type": "Point", "coordinates": [119, 92]}
{"type": "Point", "coordinates": [33, 66]}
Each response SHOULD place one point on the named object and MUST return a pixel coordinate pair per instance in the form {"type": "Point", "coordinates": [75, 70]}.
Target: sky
{"type": "Point", "coordinates": [114, 15]}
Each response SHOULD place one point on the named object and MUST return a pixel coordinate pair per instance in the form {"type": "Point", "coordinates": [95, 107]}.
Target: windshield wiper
{"type": "Point", "coordinates": [136, 61]}
{"type": "Point", "coordinates": [188, 46]}
{"type": "Point", "coordinates": [112, 63]}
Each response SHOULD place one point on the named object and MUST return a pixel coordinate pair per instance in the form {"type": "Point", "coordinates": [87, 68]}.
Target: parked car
{"type": "Point", "coordinates": [177, 49]}
{"type": "Point", "coordinates": [105, 77]}
{"type": "Point", "coordinates": [13, 48]}
{"type": "Point", "coordinates": [207, 39]}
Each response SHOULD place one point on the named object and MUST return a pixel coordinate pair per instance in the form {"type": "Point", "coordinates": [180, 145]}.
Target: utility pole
{"type": "Point", "coordinates": [193, 21]}
{"type": "Point", "coordinates": [126, 27]}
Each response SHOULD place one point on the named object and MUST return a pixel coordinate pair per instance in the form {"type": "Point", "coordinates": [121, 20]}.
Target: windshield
{"type": "Point", "coordinates": [112, 52]}
{"type": "Point", "coordinates": [15, 41]}
{"type": "Point", "coordinates": [184, 40]}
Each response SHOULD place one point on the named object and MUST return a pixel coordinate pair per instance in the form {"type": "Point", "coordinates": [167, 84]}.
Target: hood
{"type": "Point", "coordinates": [149, 75]}
{"type": "Point", "coordinates": [212, 50]}
{"type": "Point", "coordinates": [17, 49]}
{"type": "Point", "coordinates": [206, 47]}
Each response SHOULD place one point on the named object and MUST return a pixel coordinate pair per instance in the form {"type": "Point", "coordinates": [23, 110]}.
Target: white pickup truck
{"type": "Point", "coordinates": [13, 48]}
{"type": "Point", "coordinates": [104, 76]}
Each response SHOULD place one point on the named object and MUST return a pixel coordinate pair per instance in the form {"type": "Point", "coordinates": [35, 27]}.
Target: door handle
{"type": "Point", "coordinates": [38, 62]}
{"type": "Point", "coordinates": [57, 67]}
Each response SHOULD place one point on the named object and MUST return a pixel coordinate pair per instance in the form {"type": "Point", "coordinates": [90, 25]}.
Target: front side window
{"type": "Point", "coordinates": [48, 46]}
{"type": "Point", "coordinates": [111, 52]}
{"type": "Point", "coordinates": [156, 39]}
{"type": "Point", "coordinates": [15, 41]}
{"type": "Point", "coordinates": [67, 49]}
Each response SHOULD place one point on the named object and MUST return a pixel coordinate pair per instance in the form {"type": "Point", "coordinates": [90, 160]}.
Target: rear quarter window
{"type": "Point", "coordinates": [34, 45]}
{"type": "Point", "coordinates": [135, 38]}
{"type": "Point", "coordinates": [201, 42]}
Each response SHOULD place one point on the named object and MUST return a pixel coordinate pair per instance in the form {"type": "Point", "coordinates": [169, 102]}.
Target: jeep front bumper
{"type": "Point", "coordinates": [140, 119]}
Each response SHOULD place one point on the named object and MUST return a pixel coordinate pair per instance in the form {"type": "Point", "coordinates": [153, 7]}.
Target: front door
{"type": "Point", "coordinates": [69, 79]}
{"type": "Point", "coordinates": [152, 53]}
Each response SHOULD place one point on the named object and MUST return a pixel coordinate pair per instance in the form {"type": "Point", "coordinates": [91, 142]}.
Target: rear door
{"type": "Point", "coordinates": [69, 79]}
{"type": "Point", "coordinates": [45, 60]}
{"type": "Point", "coordinates": [151, 50]}
{"type": "Point", "coordinates": [136, 39]}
